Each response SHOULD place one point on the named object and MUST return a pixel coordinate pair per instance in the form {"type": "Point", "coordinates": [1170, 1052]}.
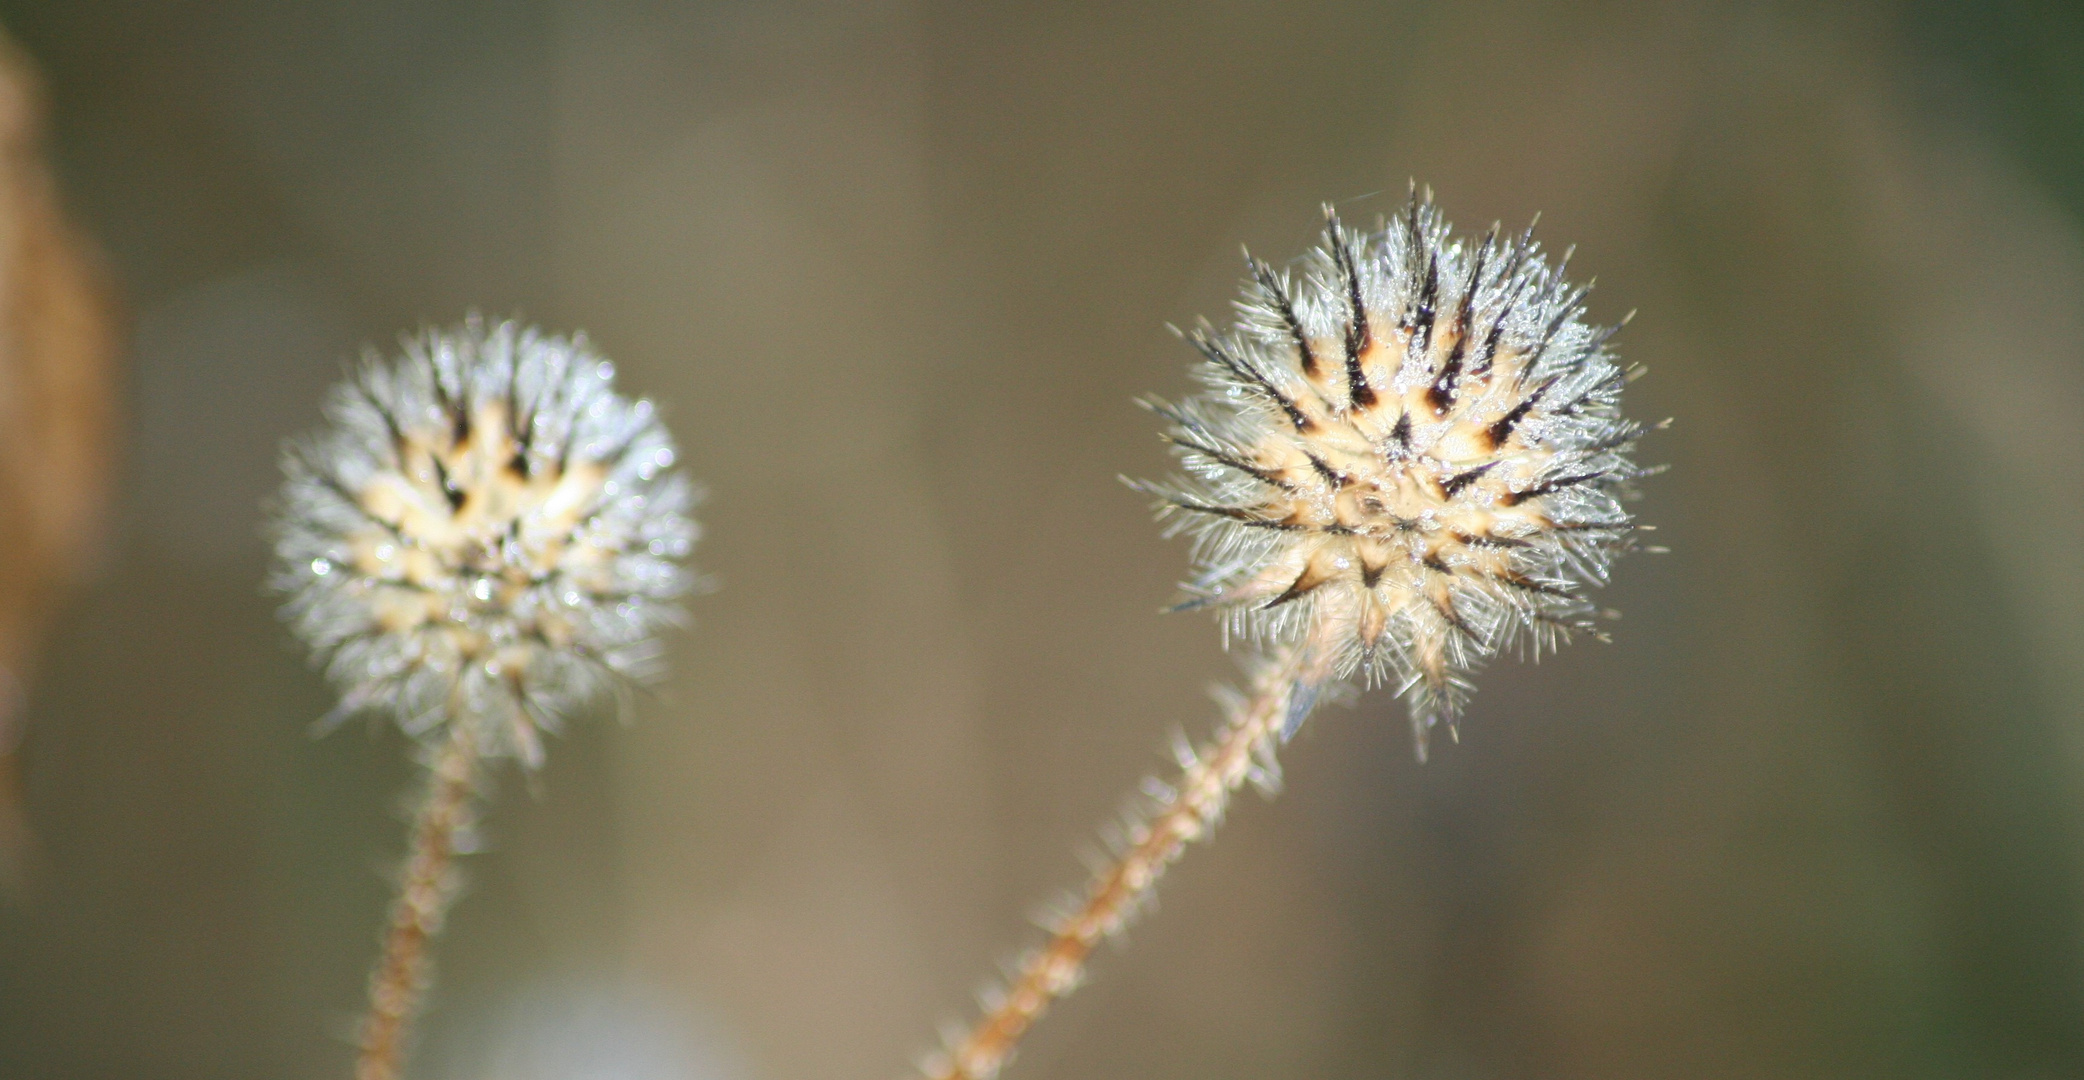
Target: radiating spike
{"type": "Point", "coordinates": [1270, 283]}
{"type": "Point", "coordinates": [1251, 376]}
{"type": "Point", "coordinates": [1441, 394]}
{"type": "Point", "coordinates": [1358, 334]}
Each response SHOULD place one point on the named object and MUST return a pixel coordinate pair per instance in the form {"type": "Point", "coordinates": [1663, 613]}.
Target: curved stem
{"type": "Point", "coordinates": [425, 888]}
{"type": "Point", "coordinates": [1242, 750]}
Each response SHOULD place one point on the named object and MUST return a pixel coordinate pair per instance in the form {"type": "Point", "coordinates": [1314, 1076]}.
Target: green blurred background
{"type": "Point", "coordinates": [896, 272]}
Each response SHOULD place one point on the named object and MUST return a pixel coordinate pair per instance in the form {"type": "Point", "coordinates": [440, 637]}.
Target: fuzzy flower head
{"type": "Point", "coordinates": [485, 533]}
{"type": "Point", "coordinates": [1410, 455]}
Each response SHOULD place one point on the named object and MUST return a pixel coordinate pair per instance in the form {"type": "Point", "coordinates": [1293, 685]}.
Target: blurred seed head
{"type": "Point", "coordinates": [1409, 456]}
{"type": "Point", "coordinates": [484, 533]}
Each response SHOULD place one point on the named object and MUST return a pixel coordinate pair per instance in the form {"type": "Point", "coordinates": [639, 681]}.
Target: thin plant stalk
{"type": "Point", "coordinates": [425, 889]}
{"type": "Point", "coordinates": [1243, 749]}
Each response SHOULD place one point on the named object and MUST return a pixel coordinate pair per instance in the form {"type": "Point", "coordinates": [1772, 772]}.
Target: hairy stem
{"type": "Point", "coordinates": [424, 891]}
{"type": "Point", "coordinates": [1243, 749]}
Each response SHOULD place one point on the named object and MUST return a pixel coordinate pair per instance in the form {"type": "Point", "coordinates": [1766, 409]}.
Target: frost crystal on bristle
{"type": "Point", "coordinates": [486, 533]}
{"type": "Point", "coordinates": [1410, 456]}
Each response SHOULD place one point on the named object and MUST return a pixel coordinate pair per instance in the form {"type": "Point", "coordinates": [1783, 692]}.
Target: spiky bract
{"type": "Point", "coordinates": [1410, 456]}
{"type": "Point", "coordinates": [486, 533]}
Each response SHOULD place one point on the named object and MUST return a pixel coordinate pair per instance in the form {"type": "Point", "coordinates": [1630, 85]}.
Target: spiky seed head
{"type": "Point", "coordinates": [485, 533]}
{"type": "Point", "coordinates": [1410, 455]}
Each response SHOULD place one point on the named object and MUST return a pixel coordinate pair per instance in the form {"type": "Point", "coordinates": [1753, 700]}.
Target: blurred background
{"type": "Point", "coordinates": [896, 271]}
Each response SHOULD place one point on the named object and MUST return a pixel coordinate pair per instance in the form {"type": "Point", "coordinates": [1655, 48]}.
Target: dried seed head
{"type": "Point", "coordinates": [1410, 456]}
{"type": "Point", "coordinates": [486, 533]}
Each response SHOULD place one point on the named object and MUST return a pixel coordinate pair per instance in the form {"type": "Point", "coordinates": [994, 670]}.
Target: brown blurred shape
{"type": "Point", "coordinates": [56, 407]}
